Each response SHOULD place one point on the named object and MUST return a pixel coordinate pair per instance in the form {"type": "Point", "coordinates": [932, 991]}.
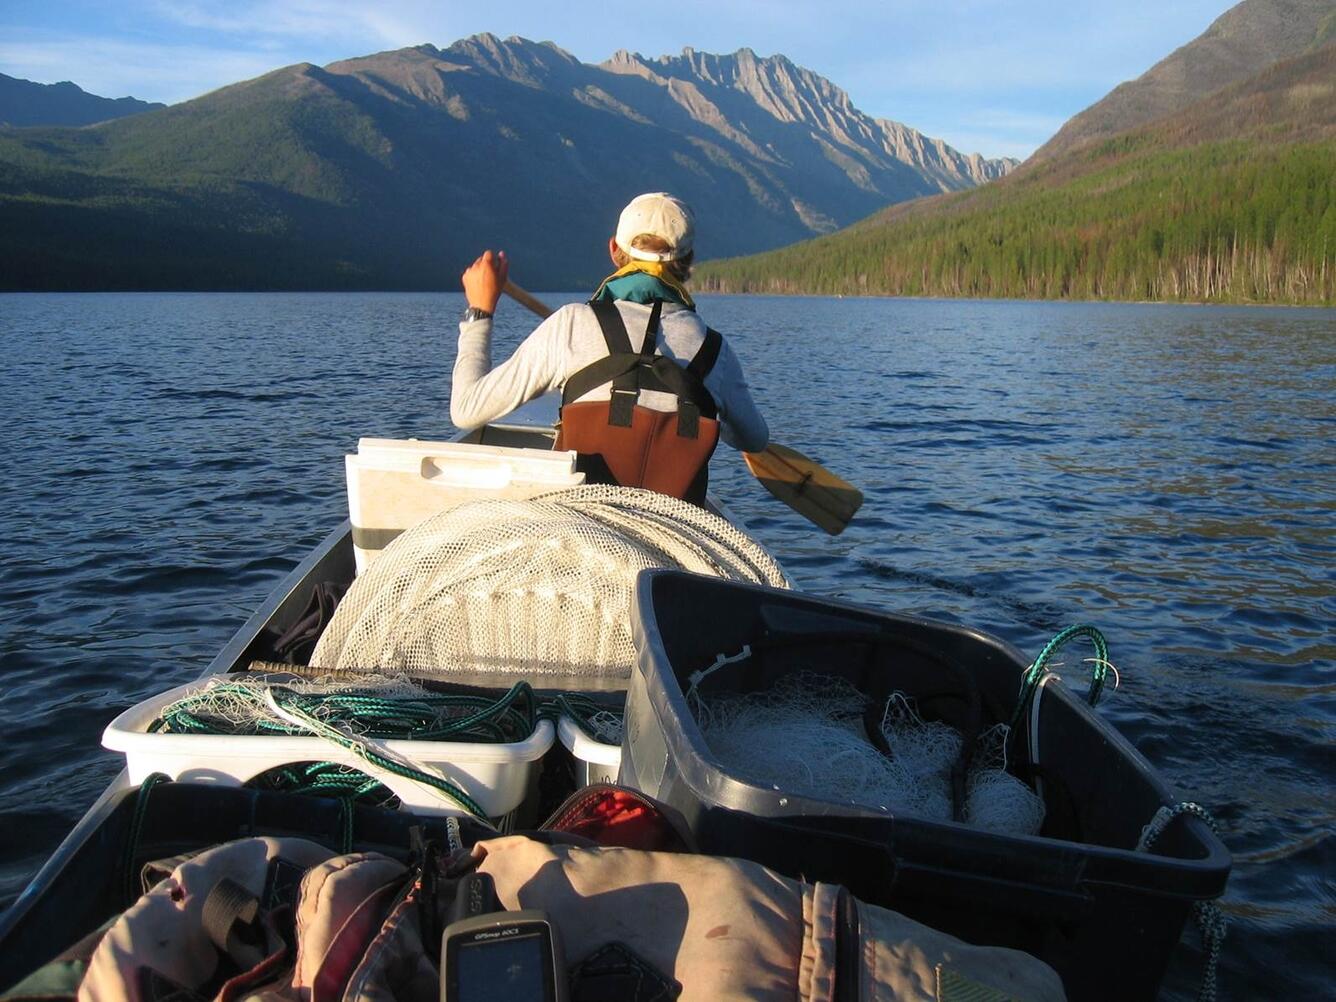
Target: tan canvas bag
{"type": "Point", "coordinates": [210, 929]}
{"type": "Point", "coordinates": [731, 929]}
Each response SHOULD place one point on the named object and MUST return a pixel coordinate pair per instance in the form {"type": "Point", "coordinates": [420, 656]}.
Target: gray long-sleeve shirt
{"type": "Point", "coordinates": [571, 339]}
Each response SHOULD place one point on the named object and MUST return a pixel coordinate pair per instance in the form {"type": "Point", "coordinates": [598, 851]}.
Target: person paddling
{"type": "Point", "coordinates": [647, 388]}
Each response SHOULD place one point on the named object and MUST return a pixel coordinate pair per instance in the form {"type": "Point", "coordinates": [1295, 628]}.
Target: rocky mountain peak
{"type": "Point", "coordinates": [789, 92]}
{"type": "Point", "coordinates": [403, 163]}
{"type": "Point", "coordinates": [514, 58]}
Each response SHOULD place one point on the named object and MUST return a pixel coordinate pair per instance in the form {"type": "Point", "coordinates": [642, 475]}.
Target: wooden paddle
{"type": "Point", "coordinates": [801, 483]}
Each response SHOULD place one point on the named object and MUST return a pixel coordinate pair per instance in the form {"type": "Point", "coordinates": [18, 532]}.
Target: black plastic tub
{"type": "Point", "coordinates": [1078, 895]}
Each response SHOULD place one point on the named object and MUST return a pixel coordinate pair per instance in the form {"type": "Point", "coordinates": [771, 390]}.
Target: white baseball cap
{"type": "Point", "coordinates": [659, 214]}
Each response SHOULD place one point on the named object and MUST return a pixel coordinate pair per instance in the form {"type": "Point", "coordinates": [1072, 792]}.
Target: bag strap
{"type": "Point", "coordinates": [231, 918]}
{"type": "Point", "coordinates": [651, 340]}
{"type": "Point", "coordinates": [689, 409]}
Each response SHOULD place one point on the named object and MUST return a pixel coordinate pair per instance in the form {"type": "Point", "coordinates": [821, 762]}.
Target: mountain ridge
{"type": "Point", "coordinates": [27, 103]}
{"type": "Point", "coordinates": [395, 168]}
{"type": "Point", "coordinates": [1238, 44]}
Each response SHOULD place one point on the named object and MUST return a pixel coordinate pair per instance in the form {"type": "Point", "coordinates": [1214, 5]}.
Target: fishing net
{"type": "Point", "coordinates": [807, 735]}
{"type": "Point", "coordinates": [538, 587]}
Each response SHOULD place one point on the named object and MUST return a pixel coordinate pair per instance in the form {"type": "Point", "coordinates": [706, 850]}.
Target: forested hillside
{"type": "Point", "coordinates": [392, 171]}
{"type": "Point", "coordinates": [1230, 200]}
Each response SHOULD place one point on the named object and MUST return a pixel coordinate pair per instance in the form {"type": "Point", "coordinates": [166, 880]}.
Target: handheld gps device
{"type": "Point", "coordinates": [503, 955]}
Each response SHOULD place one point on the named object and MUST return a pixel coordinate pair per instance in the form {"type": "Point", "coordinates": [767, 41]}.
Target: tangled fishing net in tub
{"type": "Point", "coordinates": [817, 735]}
{"type": "Point", "coordinates": [541, 586]}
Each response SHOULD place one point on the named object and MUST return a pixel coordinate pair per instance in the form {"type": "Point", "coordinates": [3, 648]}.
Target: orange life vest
{"type": "Point", "coordinates": [621, 442]}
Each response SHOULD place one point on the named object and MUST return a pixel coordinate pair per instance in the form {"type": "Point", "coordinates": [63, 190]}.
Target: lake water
{"type": "Point", "coordinates": [1166, 473]}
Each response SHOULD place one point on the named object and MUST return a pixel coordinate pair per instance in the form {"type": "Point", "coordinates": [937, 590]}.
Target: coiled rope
{"type": "Point", "coordinates": [239, 708]}
{"type": "Point", "coordinates": [357, 716]}
{"type": "Point", "coordinates": [1207, 914]}
{"type": "Point", "coordinates": [1039, 669]}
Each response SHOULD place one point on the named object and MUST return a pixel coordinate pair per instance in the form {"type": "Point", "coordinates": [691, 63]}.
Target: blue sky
{"type": "Point", "coordinates": [991, 76]}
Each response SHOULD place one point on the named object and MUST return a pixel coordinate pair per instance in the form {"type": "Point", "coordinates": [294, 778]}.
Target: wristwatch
{"type": "Point", "coordinates": [476, 313]}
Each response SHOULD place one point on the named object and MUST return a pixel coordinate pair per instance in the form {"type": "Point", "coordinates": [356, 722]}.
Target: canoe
{"type": "Point", "coordinates": [70, 894]}
{"type": "Point", "coordinates": [1078, 894]}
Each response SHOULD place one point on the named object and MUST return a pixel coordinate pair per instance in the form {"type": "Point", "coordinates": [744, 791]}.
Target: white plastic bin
{"type": "Point", "coordinates": [595, 762]}
{"type": "Point", "coordinates": [394, 484]}
{"type": "Point", "coordinates": [496, 776]}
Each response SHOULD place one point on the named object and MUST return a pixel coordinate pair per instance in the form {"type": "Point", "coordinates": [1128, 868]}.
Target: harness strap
{"type": "Point", "coordinates": [708, 353]}
{"type": "Point", "coordinates": [651, 340]}
{"type": "Point", "coordinates": [614, 329]}
{"type": "Point", "coordinates": [630, 371]}
{"type": "Point", "coordinates": [626, 384]}
{"type": "Point", "coordinates": [688, 413]}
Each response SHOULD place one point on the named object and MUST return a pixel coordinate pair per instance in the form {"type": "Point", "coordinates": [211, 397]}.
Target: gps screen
{"type": "Point", "coordinates": [510, 968]}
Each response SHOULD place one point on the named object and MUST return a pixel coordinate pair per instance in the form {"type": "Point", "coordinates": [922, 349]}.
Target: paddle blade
{"type": "Point", "coordinates": [806, 486]}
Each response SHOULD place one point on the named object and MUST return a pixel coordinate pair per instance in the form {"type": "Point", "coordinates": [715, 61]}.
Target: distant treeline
{"type": "Point", "coordinates": [1239, 221]}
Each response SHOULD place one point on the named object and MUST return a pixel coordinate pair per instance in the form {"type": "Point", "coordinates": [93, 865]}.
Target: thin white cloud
{"type": "Point", "coordinates": [1011, 120]}
{"type": "Point", "coordinates": [313, 23]}
{"type": "Point", "coordinates": [111, 68]}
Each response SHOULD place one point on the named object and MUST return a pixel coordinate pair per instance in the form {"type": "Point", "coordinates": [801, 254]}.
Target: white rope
{"type": "Point", "coordinates": [1109, 665]}
{"type": "Point", "coordinates": [806, 735]}
{"type": "Point", "coordinates": [697, 677]}
{"type": "Point", "coordinates": [1033, 735]}
{"type": "Point", "coordinates": [362, 746]}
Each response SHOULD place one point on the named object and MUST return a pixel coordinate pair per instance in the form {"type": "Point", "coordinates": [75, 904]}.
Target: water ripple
{"type": "Point", "coordinates": [1162, 472]}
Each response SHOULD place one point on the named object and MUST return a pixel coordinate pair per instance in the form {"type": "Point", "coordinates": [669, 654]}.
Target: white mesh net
{"type": "Point", "coordinates": [806, 735]}
{"type": "Point", "coordinates": [535, 587]}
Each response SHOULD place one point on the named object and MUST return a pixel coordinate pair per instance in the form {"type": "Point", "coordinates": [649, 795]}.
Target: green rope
{"type": "Point", "coordinates": [325, 779]}
{"type": "Point", "coordinates": [429, 716]}
{"type": "Point", "coordinates": [1030, 680]}
{"type": "Point", "coordinates": [425, 717]}
{"type": "Point", "coordinates": [305, 722]}
{"type": "Point", "coordinates": [1207, 914]}
{"type": "Point", "coordinates": [580, 709]}
{"type": "Point", "coordinates": [349, 716]}
{"type": "Point", "coordinates": [136, 829]}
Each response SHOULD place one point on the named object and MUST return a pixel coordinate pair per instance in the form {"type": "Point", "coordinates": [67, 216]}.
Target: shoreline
{"type": "Point", "coordinates": [1228, 304]}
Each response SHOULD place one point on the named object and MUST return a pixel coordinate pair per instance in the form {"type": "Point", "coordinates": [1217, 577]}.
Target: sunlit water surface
{"type": "Point", "coordinates": [1163, 472]}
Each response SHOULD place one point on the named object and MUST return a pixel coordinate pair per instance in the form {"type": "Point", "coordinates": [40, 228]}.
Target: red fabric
{"type": "Point", "coordinates": [650, 453]}
{"type": "Point", "coordinates": [350, 943]}
{"type": "Point", "coordinates": [612, 816]}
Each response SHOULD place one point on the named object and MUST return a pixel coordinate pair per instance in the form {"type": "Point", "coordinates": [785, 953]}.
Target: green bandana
{"type": "Point", "coordinates": [639, 283]}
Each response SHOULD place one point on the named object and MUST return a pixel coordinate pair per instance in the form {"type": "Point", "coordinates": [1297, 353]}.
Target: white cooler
{"type": "Point", "coordinates": [394, 484]}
